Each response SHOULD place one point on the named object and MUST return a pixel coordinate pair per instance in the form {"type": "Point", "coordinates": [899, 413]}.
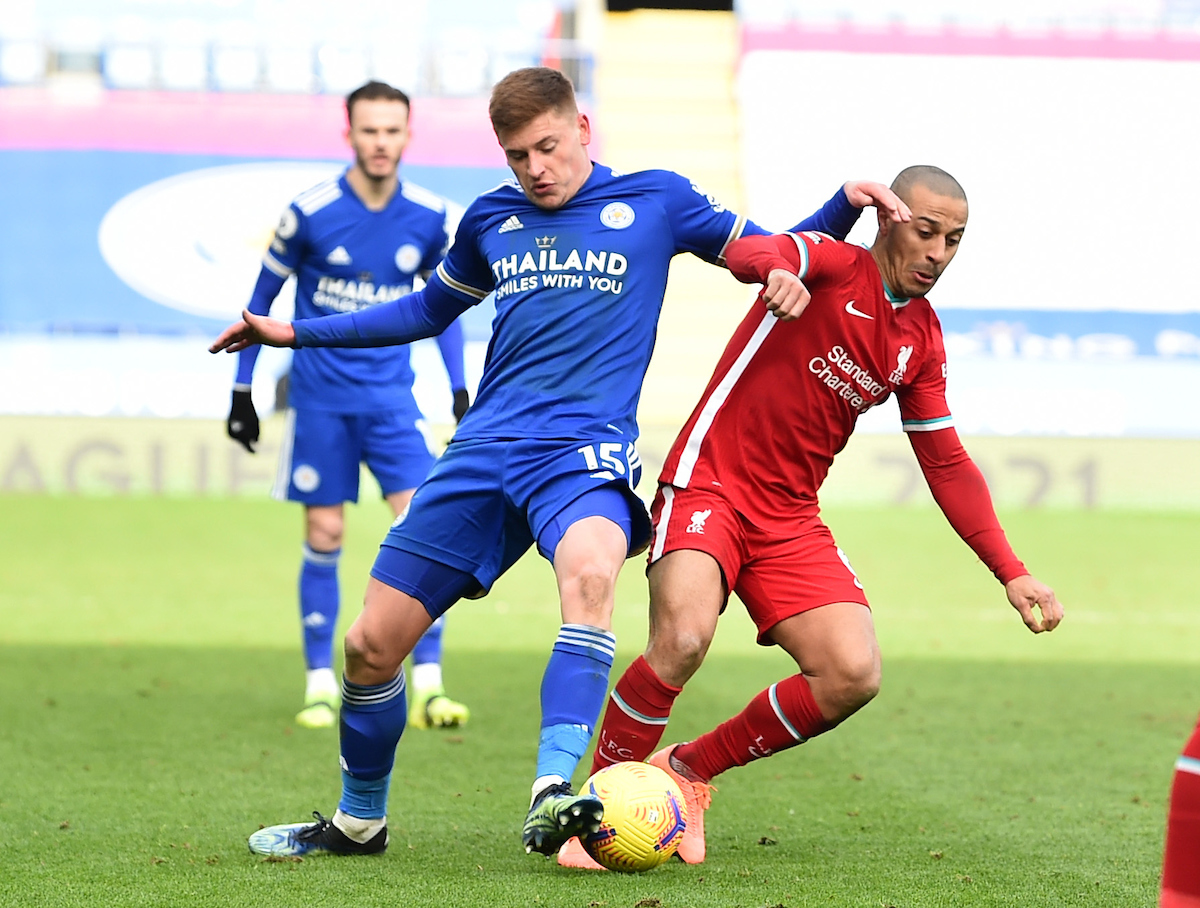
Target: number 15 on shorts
{"type": "Point", "coordinates": [609, 460]}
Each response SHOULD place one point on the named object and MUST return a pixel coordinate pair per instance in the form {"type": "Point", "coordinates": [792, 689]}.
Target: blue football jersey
{"type": "Point", "coordinates": [345, 258]}
{"type": "Point", "coordinates": [578, 292]}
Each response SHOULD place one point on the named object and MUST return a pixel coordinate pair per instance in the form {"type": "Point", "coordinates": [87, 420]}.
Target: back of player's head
{"type": "Point", "coordinates": [932, 178]}
{"type": "Point", "coordinates": [374, 91]}
{"type": "Point", "coordinates": [526, 94]}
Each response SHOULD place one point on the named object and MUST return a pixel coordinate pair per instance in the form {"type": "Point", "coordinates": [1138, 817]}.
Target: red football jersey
{"type": "Point", "coordinates": [785, 396]}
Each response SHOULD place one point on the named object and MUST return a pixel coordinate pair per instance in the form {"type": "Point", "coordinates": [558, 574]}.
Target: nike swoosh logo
{"type": "Point", "coordinates": [850, 308]}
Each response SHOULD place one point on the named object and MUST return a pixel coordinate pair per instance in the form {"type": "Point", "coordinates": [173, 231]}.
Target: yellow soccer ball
{"type": "Point", "coordinates": [644, 817]}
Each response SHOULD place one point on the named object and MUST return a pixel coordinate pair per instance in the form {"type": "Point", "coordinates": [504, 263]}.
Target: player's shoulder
{"type": "Point", "coordinates": [654, 180]}
{"type": "Point", "coordinates": [829, 248]}
{"type": "Point", "coordinates": [319, 197]}
{"type": "Point", "coordinates": [504, 195]}
{"type": "Point", "coordinates": [425, 198]}
{"type": "Point", "coordinates": [668, 189]}
{"type": "Point", "coordinates": [504, 201]}
{"type": "Point", "coordinates": [919, 314]}
{"type": "Point", "coordinates": [920, 307]}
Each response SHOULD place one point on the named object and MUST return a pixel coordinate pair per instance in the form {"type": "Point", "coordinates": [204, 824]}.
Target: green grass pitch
{"type": "Point", "coordinates": [149, 671]}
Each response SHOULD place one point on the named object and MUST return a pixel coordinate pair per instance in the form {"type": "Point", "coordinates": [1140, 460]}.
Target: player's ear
{"type": "Point", "coordinates": [884, 220]}
{"type": "Point", "coordinates": [585, 129]}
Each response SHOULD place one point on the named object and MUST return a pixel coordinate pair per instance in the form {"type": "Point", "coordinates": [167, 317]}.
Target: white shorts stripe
{"type": "Point", "coordinates": [782, 718]}
{"type": "Point", "coordinates": [691, 450]}
{"type": "Point", "coordinates": [1188, 764]}
{"type": "Point", "coordinates": [660, 528]}
{"type": "Point", "coordinates": [283, 473]}
{"type": "Point", "coordinates": [633, 713]}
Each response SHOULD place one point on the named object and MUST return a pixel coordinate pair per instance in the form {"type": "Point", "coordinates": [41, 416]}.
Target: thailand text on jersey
{"type": "Point", "coordinates": [347, 257]}
{"type": "Point", "coordinates": [578, 292]}
{"type": "Point", "coordinates": [785, 396]}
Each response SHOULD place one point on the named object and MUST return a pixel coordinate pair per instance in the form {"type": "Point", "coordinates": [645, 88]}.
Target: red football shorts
{"type": "Point", "coordinates": [777, 573]}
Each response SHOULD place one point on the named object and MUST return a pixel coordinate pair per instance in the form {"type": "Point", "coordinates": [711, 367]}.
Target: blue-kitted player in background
{"type": "Point", "coordinates": [354, 242]}
{"type": "Point", "coordinates": [577, 256]}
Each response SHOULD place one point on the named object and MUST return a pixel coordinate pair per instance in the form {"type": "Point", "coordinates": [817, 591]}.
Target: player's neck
{"type": "Point", "coordinates": [886, 268]}
{"type": "Point", "coordinates": [374, 193]}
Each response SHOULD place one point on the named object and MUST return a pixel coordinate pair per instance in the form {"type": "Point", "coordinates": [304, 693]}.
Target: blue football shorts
{"type": "Point", "coordinates": [487, 501]}
{"type": "Point", "coordinates": [320, 454]}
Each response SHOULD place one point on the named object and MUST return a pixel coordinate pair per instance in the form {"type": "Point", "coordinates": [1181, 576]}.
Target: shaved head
{"type": "Point", "coordinates": [932, 178]}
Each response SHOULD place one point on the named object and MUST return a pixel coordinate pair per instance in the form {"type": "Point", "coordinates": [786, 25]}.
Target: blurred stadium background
{"type": "Point", "coordinates": [146, 151]}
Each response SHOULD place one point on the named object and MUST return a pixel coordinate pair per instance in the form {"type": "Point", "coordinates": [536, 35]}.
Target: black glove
{"type": "Point", "coordinates": [242, 424]}
{"type": "Point", "coordinates": [462, 400]}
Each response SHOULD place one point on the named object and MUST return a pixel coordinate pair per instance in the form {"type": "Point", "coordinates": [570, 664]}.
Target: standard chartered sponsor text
{"type": "Point", "coordinates": [848, 385]}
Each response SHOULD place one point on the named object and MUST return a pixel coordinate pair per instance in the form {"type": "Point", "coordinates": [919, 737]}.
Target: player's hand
{"type": "Point", "coordinates": [1024, 593]}
{"type": "Point", "coordinates": [255, 329]}
{"type": "Point", "coordinates": [242, 424]}
{"type": "Point", "coordinates": [864, 193]}
{"type": "Point", "coordinates": [785, 294]}
{"type": "Point", "coordinates": [462, 402]}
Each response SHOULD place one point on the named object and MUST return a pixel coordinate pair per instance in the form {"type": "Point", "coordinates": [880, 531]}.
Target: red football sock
{"type": "Point", "coordinates": [636, 716]}
{"type": "Point", "coordinates": [1181, 862]}
{"type": "Point", "coordinates": [782, 716]}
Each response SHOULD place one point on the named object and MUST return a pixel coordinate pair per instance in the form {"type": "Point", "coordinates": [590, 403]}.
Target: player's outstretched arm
{"type": "Point", "coordinates": [254, 329]}
{"type": "Point", "coordinates": [867, 193]}
{"type": "Point", "coordinates": [961, 492]}
{"type": "Point", "coordinates": [1027, 592]}
{"type": "Point", "coordinates": [422, 314]}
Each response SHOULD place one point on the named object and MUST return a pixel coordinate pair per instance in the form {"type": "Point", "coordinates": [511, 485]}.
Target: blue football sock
{"type": "Point", "coordinates": [319, 605]}
{"type": "Point", "coordinates": [573, 691]}
{"type": "Point", "coordinates": [429, 647]}
{"type": "Point", "coordinates": [372, 721]}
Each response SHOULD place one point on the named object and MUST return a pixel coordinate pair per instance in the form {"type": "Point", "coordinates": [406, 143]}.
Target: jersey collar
{"type": "Point", "coordinates": [898, 302]}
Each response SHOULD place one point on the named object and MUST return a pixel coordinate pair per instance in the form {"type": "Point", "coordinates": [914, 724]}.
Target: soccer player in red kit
{"type": "Point", "coordinates": [737, 508]}
{"type": "Point", "coordinates": [1181, 859]}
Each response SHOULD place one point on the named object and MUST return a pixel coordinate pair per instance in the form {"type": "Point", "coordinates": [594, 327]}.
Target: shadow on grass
{"type": "Point", "coordinates": [132, 776]}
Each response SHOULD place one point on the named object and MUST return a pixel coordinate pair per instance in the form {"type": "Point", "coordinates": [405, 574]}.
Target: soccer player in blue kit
{"type": "Point", "coordinates": [577, 256]}
{"type": "Point", "coordinates": [352, 242]}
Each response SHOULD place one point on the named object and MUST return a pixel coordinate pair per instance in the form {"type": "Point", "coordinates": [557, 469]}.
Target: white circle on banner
{"type": "Point", "coordinates": [195, 241]}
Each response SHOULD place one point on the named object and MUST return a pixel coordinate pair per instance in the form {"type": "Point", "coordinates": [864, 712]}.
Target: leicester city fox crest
{"type": "Point", "coordinates": [616, 215]}
{"type": "Point", "coordinates": [408, 258]}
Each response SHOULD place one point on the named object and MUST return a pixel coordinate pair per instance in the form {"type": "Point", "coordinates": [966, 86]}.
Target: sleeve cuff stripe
{"type": "Point", "coordinates": [927, 425]}
{"type": "Point", "coordinates": [735, 233]}
{"type": "Point", "coordinates": [276, 267]}
{"type": "Point", "coordinates": [803, 247]}
{"type": "Point", "coordinates": [459, 286]}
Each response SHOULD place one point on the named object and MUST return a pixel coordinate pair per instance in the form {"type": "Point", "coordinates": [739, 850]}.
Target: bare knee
{"type": "Point", "coordinates": [846, 687]}
{"type": "Point", "coordinates": [676, 652]}
{"type": "Point", "coordinates": [324, 527]}
{"type": "Point", "coordinates": [369, 660]}
{"type": "Point", "coordinates": [587, 594]}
